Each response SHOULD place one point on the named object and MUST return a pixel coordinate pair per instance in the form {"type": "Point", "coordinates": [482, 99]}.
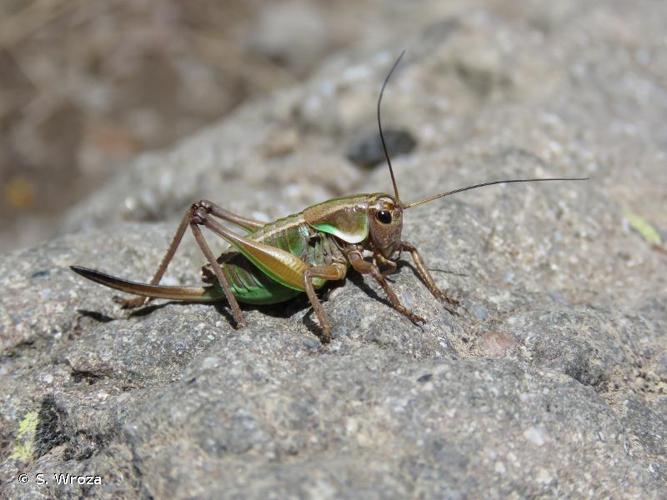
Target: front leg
{"type": "Point", "coordinates": [389, 264]}
{"type": "Point", "coordinates": [361, 266]}
{"type": "Point", "coordinates": [426, 277]}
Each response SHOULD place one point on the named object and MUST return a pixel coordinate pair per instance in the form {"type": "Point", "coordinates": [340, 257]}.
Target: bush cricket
{"type": "Point", "coordinates": [275, 261]}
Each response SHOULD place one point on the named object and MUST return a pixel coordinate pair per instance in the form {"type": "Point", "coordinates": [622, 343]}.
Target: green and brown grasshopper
{"type": "Point", "coordinates": [278, 260]}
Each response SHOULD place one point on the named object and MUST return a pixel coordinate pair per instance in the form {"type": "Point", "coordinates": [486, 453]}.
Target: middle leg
{"type": "Point", "coordinates": [330, 272]}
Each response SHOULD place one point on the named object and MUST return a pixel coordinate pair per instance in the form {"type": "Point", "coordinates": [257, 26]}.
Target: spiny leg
{"type": "Point", "coordinates": [222, 280]}
{"type": "Point", "coordinates": [426, 277]}
{"type": "Point", "coordinates": [164, 263]}
{"type": "Point", "coordinates": [331, 272]}
{"type": "Point", "coordinates": [360, 265]}
{"type": "Point", "coordinates": [221, 213]}
{"type": "Point", "coordinates": [209, 207]}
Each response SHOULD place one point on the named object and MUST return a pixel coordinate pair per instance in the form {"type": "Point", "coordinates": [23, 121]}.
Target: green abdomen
{"type": "Point", "coordinates": [251, 286]}
{"type": "Point", "coordinates": [292, 234]}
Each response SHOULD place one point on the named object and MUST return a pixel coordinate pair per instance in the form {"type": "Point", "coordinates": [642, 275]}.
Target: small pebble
{"type": "Point", "coordinates": [368, 152]}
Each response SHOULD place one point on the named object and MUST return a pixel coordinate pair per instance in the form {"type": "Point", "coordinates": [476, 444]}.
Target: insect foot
{"type": "Point", "coordinates": [451, 303]}
{"type": "Point", "coordinates": [416, 319]}
{"type": "Point", "coordinates": [325, 336]}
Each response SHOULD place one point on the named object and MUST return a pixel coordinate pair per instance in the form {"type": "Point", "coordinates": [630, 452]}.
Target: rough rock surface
{"type": "Point", "coordinates": [552, 380]}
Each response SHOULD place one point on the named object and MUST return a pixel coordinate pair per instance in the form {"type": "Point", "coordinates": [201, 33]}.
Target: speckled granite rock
{"type": "Point", "coordinates": [550, 383]}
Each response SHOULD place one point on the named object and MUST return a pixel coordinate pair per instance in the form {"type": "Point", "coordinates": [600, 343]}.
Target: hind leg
{"type": "Point", "coordinates": [210, 208]}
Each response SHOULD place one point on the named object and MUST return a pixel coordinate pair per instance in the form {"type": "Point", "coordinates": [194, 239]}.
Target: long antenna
{"type": "Point", "coordinates": [491, 183]}
{"type": "Point", "coordinates": [384, 144]}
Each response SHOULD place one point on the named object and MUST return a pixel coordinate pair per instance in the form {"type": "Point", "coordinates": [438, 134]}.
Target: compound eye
{"type": "Point", "coordinates": [384, 216]}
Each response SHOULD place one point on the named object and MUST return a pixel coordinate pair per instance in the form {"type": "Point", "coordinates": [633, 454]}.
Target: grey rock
{"type": "Point", "coordinates": [550, 382]}
{"type": "Point", "coordinates": [368, 151]}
